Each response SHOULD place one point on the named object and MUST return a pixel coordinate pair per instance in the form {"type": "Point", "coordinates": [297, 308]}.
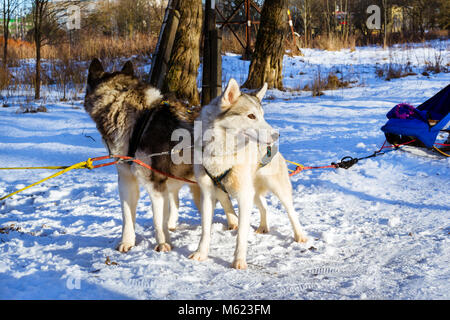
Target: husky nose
{"type": "Point", "coordinates": [275, 136]}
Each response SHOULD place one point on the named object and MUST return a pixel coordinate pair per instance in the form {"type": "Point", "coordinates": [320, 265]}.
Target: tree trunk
{"type": "Point", "coordinates": [385, 38]}
{"type": "Point", "coordinates": [183, 66]}
{"type": "Point", "coordinates": [267, 60]}
{"type": "Point", "coordinates": [6, 16]}
{"type": "Point", "coordinates": [328, 15]}
{"type": "Point", "coordinates": [5, 46]}
{"type": "Point", "coordinates": [37, 85]}
{"type": "Point", "coordinates": [39, 10]}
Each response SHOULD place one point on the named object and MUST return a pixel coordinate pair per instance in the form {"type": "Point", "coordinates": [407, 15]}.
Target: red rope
{"type": "Point", "coordinates": [395, 145]}
{"type": "Point", "coordinates": [335, 166]}
{"type": "Point", "coordinates": [300, 169]}
{"type": "Point", "coordinates": [139, 162]}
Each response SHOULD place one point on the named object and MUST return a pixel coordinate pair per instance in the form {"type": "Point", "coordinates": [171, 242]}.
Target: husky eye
{"type": "Point", "coordinates": [252, 116]}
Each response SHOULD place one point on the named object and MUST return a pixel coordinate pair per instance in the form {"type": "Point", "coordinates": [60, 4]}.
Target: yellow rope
{"type": "Point", "coordinates": [441, 152]}
{"type": "Point", "coordinates": [37, 168]}
{"type": "Point", "coordinates": [82, 165]}
{"type": "Point", "coordinates": [295, 163]}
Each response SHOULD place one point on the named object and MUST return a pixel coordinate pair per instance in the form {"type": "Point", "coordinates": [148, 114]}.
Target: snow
{"type": "Point", "coordinates": [379, 230]}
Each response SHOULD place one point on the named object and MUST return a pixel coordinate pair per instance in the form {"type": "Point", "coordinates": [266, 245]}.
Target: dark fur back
{"type": "Point", "coordinates": [116, 101]}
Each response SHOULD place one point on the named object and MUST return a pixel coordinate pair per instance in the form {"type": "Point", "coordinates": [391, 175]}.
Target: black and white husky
{"type": "Point", "coordinates": [135, 120]}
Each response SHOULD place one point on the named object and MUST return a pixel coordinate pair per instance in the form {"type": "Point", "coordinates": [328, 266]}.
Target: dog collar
{"type": "Point", "coordinates": [267, 157]}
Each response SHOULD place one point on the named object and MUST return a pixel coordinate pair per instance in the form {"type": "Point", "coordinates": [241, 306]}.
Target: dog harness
{"type": "Point", "coordinates": [218, 179]}
{"type": "Point", "coordinates": [140, 127]}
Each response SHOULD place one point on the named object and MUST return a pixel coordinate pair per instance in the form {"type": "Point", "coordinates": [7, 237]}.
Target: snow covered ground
{"type": "Point", "coordinates": [380, 230]}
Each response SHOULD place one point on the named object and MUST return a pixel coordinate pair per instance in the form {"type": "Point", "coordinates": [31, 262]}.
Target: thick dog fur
{"type": "Point", "coordinates": [115, 102]}
{"type": "Point", "coordinates": [235, 113]}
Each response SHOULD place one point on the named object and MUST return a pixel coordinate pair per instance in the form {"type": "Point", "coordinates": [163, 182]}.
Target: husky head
{"type": "Point", "coordinates": [242, 114]}
{"type": "Point", "coordinates": [97, 74]}
{"type": "Point", "coordinates": [104, 88]}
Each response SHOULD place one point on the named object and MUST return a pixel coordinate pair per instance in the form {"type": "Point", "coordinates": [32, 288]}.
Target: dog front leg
{"type": "Point", "coordinates": [282, 189]}
{"type": "Point", "coordinates": [286, 200]}
{"type": "Point", "coordinates": [207, 210]}
{"type": "Point", "coordinates": [245, 201]}
{"type": "Point", "coordinates": [129, 196]}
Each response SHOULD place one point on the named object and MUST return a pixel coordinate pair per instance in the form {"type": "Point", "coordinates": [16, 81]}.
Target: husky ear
{"type": "Point", "coordinates": [128, 69]}
{"type": "Point", "coordinates": [260, 95]}
{"type": "Point", "coordinates": [95, 71]}
{"type": "Point", "coordinates": [231, 94]}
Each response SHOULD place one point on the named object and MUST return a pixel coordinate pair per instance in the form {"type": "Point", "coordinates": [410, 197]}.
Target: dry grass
{"type": "Point", "coordinates": [325, 82]}
{"type": "Point", "coordinates": [323, 42]}
{"type": "Point", "coordinates": [394, 71]}
{"type": "Point", "coordinates": [31, 109]}
{"type": "Point", "coordinates": [64, 66]}
{"type": "Point", "coordinates": [334, 42]}
{"type": "Point", "coordinates": [5, 78]}
{"type": "Point", "coordinates": [436, 63]}
{"type": "Point", "coordinates": [18, 50]}
{"type": "Point", "coordinates": [107, 48]}
{"type": "Point", "coordinates": [85, 48]}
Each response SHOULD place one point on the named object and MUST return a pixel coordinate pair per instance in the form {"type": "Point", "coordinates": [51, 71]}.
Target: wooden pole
{"type": "Point", "coordinates": [212, 56]}
{"type": "Point", "coordinates": [292, 28]}
{"type": "Point", "coordinates": [206, 76]}
{"type": "Point", "coordinates": [248, 32]}
{"type": "Point", "coordinates": [164, 46]}
{"type": "Point", "coordinates": [216, 63]}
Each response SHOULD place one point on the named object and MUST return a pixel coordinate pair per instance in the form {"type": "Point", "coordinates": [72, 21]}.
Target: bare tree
{"type": "Point", "coordinates": [306, 17]}
{"type": "Point", "coordinates": [126, 17]}
{"type": "Point", "coordinates": [47, 17]}
{"type": "Point", "coordinates": [267, 60]}
{"type": "Point", "coordinates": [9, 7]}
{"type": "Point", "coordinates": [39, 12]}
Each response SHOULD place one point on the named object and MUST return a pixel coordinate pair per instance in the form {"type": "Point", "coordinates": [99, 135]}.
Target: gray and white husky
{"type": "Point", "coordinates": [117, 102]}
{"type": "Point", "coordinates": [236, 167]}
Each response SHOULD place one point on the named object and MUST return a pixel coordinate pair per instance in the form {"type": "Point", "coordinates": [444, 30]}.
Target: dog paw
{"type": "Point", "coordinates": [172, 229]}
{"type": "Point", "coordinates": [124, 247]}
{"type": "Point", "coordinates": [239, 264]}
{"type": "Point", "coordinates": [300, 238]}
{"type": "Point", "coordinates": [198, 256]}
{"type": "Point", "coordinates": [233, 222]}
{"type": "Point", "coordinates": [163, 247]}
{"type": "Point", "coordinates": [262, 230]}
{"type": "Point", "coordinates": [232, 227]}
